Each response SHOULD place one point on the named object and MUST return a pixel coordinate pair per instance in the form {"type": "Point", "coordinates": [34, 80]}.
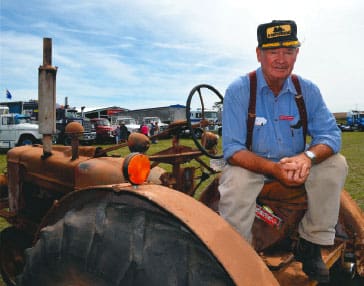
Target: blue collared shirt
{"type": "Point", "coordinates": [276, 133]}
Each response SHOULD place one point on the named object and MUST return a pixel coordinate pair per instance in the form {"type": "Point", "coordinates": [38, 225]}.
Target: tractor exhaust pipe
{"type": "Point", "coordinates": [47, 98]}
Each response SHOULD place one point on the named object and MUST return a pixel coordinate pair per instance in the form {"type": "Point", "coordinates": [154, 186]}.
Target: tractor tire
{"type": "Point", "coordinates": [108, 238]}
{"type": "Point", "coordinates": [339, 277]}
{"type": "Point", "coordinates": [13, 242]}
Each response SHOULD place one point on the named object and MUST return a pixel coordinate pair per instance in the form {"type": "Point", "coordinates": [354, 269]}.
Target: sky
{"type": "Point", "coordinates": [151, 53]}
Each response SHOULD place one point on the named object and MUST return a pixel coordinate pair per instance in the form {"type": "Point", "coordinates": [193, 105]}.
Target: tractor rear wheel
{"type": "Point", "coordinates": [107, 238]}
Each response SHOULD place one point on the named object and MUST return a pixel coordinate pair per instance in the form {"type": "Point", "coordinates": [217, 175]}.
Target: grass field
{"type": "Point", "coordinates": [352, 149]}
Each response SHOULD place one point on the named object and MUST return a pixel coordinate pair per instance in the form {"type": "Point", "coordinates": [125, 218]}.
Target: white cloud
{"type": "Point", "coordinates": [151, 53]}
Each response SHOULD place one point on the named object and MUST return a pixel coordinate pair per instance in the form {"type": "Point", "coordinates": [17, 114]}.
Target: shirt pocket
{"type": "Point", "coordinates": [297, 137]}
{"type": "Point", "coordinates": [261, 139]}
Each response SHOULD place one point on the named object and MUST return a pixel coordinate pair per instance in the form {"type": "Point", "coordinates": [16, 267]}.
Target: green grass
{"type": "Point", "coordinates": [352, 149]}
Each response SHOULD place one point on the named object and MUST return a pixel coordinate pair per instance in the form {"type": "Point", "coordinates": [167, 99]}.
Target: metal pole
{"type": "Point", "coordinates": [47, 98]}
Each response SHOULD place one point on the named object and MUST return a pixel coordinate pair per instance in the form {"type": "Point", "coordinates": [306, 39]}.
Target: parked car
{"type": "Point", "coordinates": [105, 132]}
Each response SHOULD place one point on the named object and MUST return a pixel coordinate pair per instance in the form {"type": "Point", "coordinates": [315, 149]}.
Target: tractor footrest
{"type": "Point", "coordinates": [277, 261]}
{"type": "Point", "coordinates": [292, 274]}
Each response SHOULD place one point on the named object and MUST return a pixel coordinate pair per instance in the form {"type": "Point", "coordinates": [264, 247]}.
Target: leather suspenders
{"type": "Point", "coordinates": [301, 106]}
{"type": "Point", "coordinates": [252, 106]}
{"type": "Point", "coordinates": [251, 110]}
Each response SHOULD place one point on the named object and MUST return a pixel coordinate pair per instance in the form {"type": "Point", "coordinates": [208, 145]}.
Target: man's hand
{"type": "Point", "coordinates": [293, 171]}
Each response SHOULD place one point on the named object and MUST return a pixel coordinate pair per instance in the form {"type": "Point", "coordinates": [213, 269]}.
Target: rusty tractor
{"type": "Point", "coordinates": [80, 216]}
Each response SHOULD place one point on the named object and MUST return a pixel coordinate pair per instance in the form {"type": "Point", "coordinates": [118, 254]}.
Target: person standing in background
{"type": "Point", "coordinates": [144, 129]}
{"type": "Point", "coordinates": [117, 134]}
{"type": "Point", "coordinates": [123, 132]}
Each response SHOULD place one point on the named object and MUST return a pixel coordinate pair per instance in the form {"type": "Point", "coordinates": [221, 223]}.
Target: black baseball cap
{"type": "Point", "coordinates": [278, 34]}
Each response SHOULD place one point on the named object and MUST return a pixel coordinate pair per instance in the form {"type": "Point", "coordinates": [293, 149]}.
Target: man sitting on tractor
{"type": "Point", "coordinates": [276, 146]}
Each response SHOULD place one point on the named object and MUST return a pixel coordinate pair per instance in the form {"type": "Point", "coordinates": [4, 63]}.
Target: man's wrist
{"type": "Point", "coordinates": [311, 155]}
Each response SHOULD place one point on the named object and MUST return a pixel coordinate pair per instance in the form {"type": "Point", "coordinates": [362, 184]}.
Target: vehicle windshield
{"type": "Point", "coordinates": [152, 119]}
{"type": "Point", "coordinates": [104, 122]}
{"type": "Point", "coordinates": [22, 119]}
{"type": "Point", "coordinates": [210, 114]}
{"type": "Point", "coordinates": [128, 121]}
{"type": "Point", "coordinates": [71, 114]}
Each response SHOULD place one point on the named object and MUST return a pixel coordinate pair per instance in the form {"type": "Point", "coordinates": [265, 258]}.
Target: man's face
{"type": "Point", "coordinates": [277, 64]}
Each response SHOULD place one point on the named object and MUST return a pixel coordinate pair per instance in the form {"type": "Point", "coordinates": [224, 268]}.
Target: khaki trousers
{"type": "Point", "coordinates": [239, 189]}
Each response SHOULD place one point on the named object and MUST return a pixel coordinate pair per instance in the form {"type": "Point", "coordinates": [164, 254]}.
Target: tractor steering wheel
{"type": "Point", "coordinates": [209, 129]}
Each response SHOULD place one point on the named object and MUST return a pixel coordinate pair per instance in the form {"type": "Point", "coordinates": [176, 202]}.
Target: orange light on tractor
{"type": "Point", "coordinates": [136, 168]}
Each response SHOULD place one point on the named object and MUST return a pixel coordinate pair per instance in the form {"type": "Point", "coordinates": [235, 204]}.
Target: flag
{"type": "Point", "coordinates": [8, 94]}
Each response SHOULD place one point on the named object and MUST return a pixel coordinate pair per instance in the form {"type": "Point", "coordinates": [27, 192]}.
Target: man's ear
{"type": "Point", "coordinates": [258, 52]}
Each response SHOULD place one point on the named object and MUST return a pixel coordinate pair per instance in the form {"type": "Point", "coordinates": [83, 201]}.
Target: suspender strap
{"type": "Point", "coordinates": [252, 105]}
{"type": "Point", "coordinates": [251, 110]}
{"type": "Point", "coordinates": [301, 106]}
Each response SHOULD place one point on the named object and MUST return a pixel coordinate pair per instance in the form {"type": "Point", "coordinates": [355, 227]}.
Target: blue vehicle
{"type": "Point", "coordinates": [354, 121]}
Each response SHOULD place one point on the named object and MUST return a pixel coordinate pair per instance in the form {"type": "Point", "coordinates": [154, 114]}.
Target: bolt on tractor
{"type": "Point", "coordinates": [80, 215]}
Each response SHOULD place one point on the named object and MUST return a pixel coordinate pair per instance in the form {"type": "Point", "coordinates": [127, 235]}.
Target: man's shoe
{"type": "Point", "coordinates": [312, 264]}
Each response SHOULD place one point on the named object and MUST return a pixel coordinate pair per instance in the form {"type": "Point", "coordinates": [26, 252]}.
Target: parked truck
{"type": "Point", "coordinates": [211, 118]}
{"type": "Point", "coordinates": [29, 108]}
{"type": "Point", "coordinates": [355, 119]}
{"type": "Point", "coordinates": [105, 132]}
{"type": "Point", "coordinates": [17, 129]}
{"type": "Point", "coordinates": [66, 115]}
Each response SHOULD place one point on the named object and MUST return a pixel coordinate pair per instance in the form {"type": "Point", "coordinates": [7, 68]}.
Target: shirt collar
{"type": "Point", "coordinates": [288, 85]}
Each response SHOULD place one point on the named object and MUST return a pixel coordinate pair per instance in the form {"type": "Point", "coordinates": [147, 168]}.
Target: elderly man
{"type": "Point", "coordinates": [276, 145]}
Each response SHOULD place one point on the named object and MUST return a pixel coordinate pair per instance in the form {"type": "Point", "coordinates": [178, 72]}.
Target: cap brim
{"type": "Point", "coordinates": [275, 45]}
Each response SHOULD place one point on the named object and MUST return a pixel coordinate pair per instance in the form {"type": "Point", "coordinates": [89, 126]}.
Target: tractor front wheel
{"type": "Point", "coordinates": [106, 238]}
{"type": "Point", "coordinates": [13, 243]}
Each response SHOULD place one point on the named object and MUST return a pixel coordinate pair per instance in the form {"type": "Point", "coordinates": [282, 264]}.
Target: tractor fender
{"type": "Point", "coordinates": [237, 257]}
